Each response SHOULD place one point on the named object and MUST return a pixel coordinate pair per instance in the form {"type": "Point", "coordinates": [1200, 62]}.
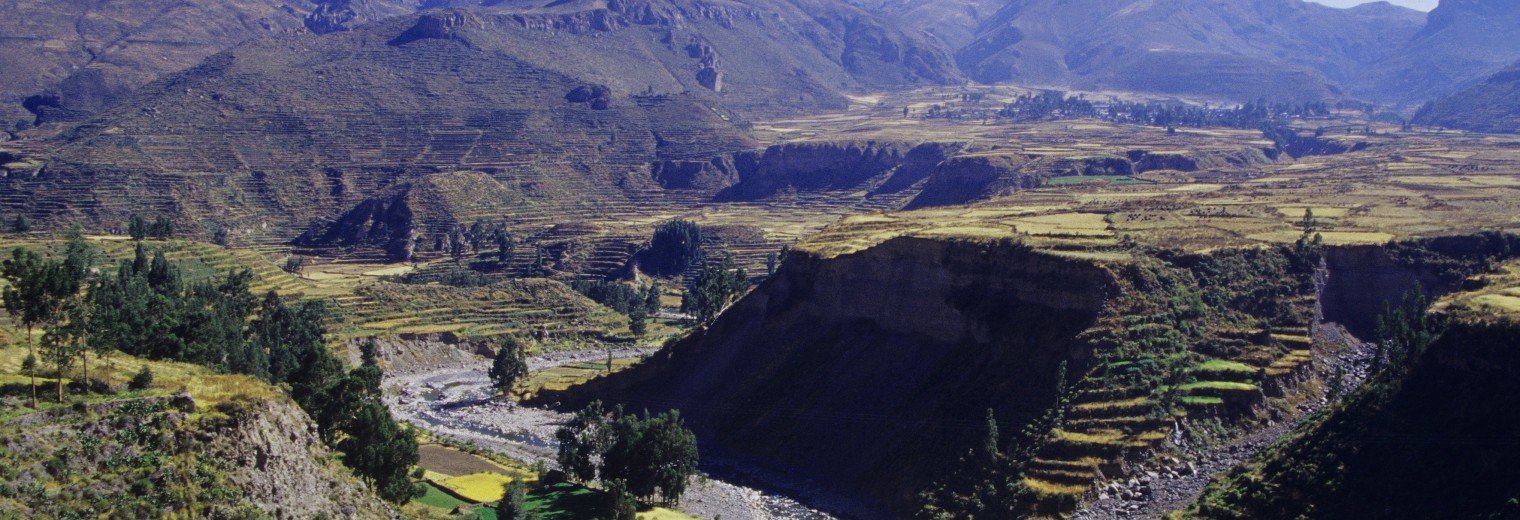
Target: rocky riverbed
{"type": "Point", "coordinates": [456, 402]}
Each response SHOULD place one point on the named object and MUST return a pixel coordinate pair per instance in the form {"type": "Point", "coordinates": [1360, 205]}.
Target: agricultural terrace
{"type": "Point", "coordinates": [1401, 187]}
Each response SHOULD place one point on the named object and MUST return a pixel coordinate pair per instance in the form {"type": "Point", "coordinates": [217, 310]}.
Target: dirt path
{"type": "Point", "coordinates": [1176, 483]}
{"type": "Point", "coordinates": [455, 402]}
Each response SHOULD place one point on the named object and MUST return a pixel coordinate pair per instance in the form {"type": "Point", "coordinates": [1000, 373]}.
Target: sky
{"type": "Point", "coordinates": [1423, 5]}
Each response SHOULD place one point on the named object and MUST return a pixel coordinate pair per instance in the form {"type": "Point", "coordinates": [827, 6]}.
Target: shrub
{"type": "Point", "coordinates": [142, 380]}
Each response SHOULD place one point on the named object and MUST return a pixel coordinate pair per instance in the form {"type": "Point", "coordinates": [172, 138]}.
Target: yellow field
{"type": "Point", "coordinates": [481, 487]}
{"type": "Point", "coordinates": [566, 376]}
{"type": "Point", "coordinates": [660, 513]}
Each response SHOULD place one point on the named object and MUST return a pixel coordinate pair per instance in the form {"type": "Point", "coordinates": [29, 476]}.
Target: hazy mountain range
{"type": "Point", "coordinates": [66, 60]}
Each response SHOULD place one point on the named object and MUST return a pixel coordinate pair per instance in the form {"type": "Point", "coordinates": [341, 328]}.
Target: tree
{"type": "Point", "coordinates": [656, 456]}
{"type": "Point", "coordinates": [477, 235]}
{"type": "Point", "coordinates": [509, 365]}
{"type": "Point", "coordinates": [716, 286]}
{"type": "Point", "coordinates": [504, 246]}
{"type": "Point", "coordinates": [638, 321]}
{"type": "Point", "coordinates": [25, 297]}
{"type": "Point", "coordinates": [29, 365]}
{"type": "Point", "coordinates": [162, 228]}
{"type": "Point", "coordinates": [514, 504]}
{"type": "Point", "coordinates": [382, 452]}
{"type": "Point", "coordinates": [137, 227]}
{"type": "Point", "coordinates": [21, 224]}
{"type": "Point", "coordinates": [456, 245]}
{"type": "Point", "coordinates": [539, 258]}
{"type": "Point", "coordinates": [62, 343]}
{"type": "Point", "coordinates": [581, 442]}
{"type": "Point", "coordinates": [369, 353]}
{"type": "Point", "coordinates": [620, 502]}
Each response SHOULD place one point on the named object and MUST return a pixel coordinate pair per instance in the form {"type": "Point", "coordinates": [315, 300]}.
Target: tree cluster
{"type": "Point", "coordinates": [1250, 115]}
{"type": "Point", "coordinates": [620, 297]}
{"type": "Point", "coordinates": [714, 288]}
{"type": "Point", "coordinates": [160, 228]}
{"type": "Point", "coordinates": [148, 309]}
{"type": "Point", "coordinates": [509, 365]}
{"type": "Point", "coordinates": [477, 238]}
{"type": "Point", "coordinates": [1047, 104]}
{"type": "Point", "coordinates": [675, 245]}
{"type": "Point", "coordinates": [649, 456]}
{"type": "Point", "coordinates": [44, 292]}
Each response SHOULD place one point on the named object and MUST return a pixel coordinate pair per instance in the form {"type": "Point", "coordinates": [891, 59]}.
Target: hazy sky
{"type": "Point", "coordinates": [1423, 5]}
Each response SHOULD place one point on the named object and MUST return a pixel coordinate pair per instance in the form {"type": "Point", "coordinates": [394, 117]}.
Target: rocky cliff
{"type": "Point", "coordinates": [863, 370]}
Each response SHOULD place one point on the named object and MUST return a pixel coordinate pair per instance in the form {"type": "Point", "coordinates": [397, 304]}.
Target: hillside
{"type": "Point", "coordinates": [64, 60]}
{"type": "Point", "coordinates": [251, 138]}
{"type": "Point", "coordinates": [222, 446]}
{"type": "Point", "coordinates": [1276, 49]}
{"type": "Point", "coordinates": [570, 103]}
{"type": "Point", "coordinates": [1433, 439]}
{"type": "Point", "coordinates": [1463, 42]}
{"type": "Point", "coordinates": [1491, 106]}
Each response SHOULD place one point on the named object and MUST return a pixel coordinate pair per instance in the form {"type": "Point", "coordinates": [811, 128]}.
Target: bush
{"type": "Point", "coordinates": [142, 380]}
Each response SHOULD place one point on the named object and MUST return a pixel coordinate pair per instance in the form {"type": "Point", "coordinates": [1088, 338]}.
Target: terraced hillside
{"type": "Point", "coordinates": [1432, 436]}
{"type": "Point", "coordinates": [1174, 305]}
{"type": "Point", "coordinates": [278, 159]}
{"type": "Point", "coordinates": [65, 60]}
{"type": "Point", "coordinates": [551, 100]}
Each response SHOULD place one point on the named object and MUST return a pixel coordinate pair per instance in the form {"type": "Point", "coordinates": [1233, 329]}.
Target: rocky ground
{"type": "Point", "coordinates": [455, 402]}
{"type": "Point", "coordinates": [1174, 482]}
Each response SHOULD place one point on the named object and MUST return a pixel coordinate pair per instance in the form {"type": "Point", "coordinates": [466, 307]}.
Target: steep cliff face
{"type": "Point", "coordinates": [812, 166]}
{"type": "Point", "coordinates": [1362, 280]}
{"type": "Point", "coordinates": [864, 370]}
{"type": "Point", "coordinates": [963, 179]}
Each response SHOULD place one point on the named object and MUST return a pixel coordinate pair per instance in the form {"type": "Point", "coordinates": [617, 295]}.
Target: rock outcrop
{"type": "Point", "coordinates": [812, 166]}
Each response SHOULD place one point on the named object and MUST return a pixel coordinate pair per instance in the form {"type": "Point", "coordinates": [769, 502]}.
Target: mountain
{"type": "Point", "coordinates": [1277, 49]}
{"type": "Point", "coordinates": [1463, 42]}
{"type": "Point", "coordinates": [64, 59]}
{"type": "Point", "coordinates": [1490, 106]}
{"type": "Point", "coordinates": [954, 22]}
{"type": "Point", "coordinates": [568, 104]}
